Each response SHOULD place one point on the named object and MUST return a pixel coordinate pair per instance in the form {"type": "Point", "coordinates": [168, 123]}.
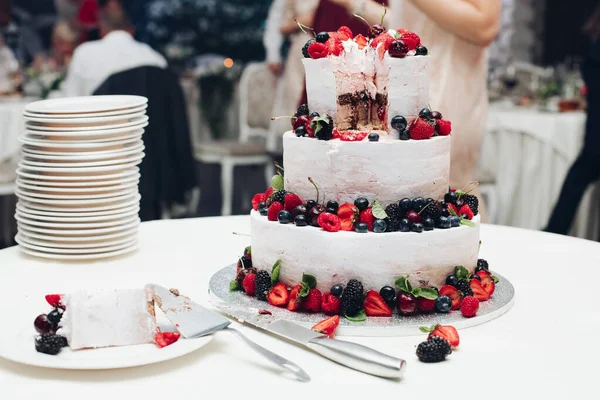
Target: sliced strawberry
{"type": "Point", "coordinates": [465, 209]}
{"type": "Point", "coordinates": [361, 41]}
{"type": "Point", "coordinates": [334, 46]}
{"type": "Point", "coordinates": [344, 31]}
{"type": "Point", "coordinates": [268, 193]}
{"type": "Point", "coordinates": [375, 305]}
{"type": "Point", "coordinates": [487, 282]}
{"type": "Point", "coordinates": [384, 38]}
{"type": "Point", "coordinates": [453, 208]}
{"type": "Point", "coordinates": [55, 300]}
{"type": "Point", "coordinates": [350, 136]}
{"type": "Point", "coordinates": [330, 304]}
{"type": "Point", "coordinates": [348, 214]}
{"type": "Point", "coordinates": [278, 295]}
{"type": "Point", "coordinates": [446, 332]}
{"type": "Point", "coordinates": [164, 339]}
{"type": "Point", "coordinates": [318, 50]}
{"type": "Point", "coordinates": [258, 198]}
{"type": "Point", "coordinates": [478, 291]}
{"type": "Point", "coordinates": [295, 301]}
{"type": "Point", "coordinates": [454, 295]}
{"type": "Point", "coordinates": [327, 326]}
{"type": "Point", "coordinates": [366, 216]}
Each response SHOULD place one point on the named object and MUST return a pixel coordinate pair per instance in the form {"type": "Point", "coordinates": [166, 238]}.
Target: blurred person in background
{"type": "Point", "coordinates": [93, 62]}
{"type": "Point", "coordinates": [64, 40]}
{"type": "Point", "coordinates": [586, 168]}
{"type": "Point", "coordinates": [8, 67]}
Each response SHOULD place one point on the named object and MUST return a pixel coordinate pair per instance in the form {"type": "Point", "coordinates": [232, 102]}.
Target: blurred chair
{"type": "Point", "coordinates": [254, 145]}
{"type": "Point", "coordinates": [486, 175]}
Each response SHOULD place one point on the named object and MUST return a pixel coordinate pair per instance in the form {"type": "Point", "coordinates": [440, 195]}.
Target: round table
{"type": "Point", "coordinates": [544, 347]}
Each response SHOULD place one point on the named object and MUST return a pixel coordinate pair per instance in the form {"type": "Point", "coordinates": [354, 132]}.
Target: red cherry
{"type": "Point", "coordinates": [42, 325]}
{"type": "Point", "coordinates": [406, 303]}
{"type": "Point", "coordinates": [414, 217]}
{"type": "Point", "coordinates": [398, 49]}
{"type": "Point", "coordinates": [300, 121]}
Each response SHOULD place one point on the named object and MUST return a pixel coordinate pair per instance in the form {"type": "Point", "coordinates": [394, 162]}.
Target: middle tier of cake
{"type": "Point", "coordinates": [387, 170]}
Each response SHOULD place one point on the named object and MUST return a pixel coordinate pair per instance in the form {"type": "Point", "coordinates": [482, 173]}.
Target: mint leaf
{"type": "Point", "coordinates": [234, 286]}
{"type": "Point", "coordinates": [427, 329]}
{"type": "Point", "coordinates": [452, 212]}
{"type": "Point", "coordinates": [403, 284]}
{"type": "Point", "coordinates": [464, 221]}
{"type": "Point", "coordinates": [277, 182]}
{"type": "Point", "coordinates": [275, 272]}
{"type": "Point", "coordinates": [248, 250]}
{"type": "Point", "coordinates": [461, 272]}
{"type": "Point", "coordinates": [304, 291]}
{"type": "Point", "coordinates": [310, 281]}
{"type": "Point", "coordinates": [495, 279]}
{"type": "Point", "coordinates": [361, 316]}
{"type": "Point", "coordinates": [378, 210]}
{"type": "Point", "coordinates": [425, 293]}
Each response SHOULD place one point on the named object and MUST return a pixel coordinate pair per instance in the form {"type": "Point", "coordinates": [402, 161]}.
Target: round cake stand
{"type": "Point", "coordinates": [245, 308]}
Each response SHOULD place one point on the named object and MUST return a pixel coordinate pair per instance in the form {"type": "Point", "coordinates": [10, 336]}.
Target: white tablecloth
{"type": "Point", "coordinates": [528, 153]}
{"type": "Point", "coordinates": [543, 348]}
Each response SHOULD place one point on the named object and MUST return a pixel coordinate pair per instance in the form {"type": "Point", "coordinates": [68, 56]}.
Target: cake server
{"type": "Point", "coordinates": [192, 320]}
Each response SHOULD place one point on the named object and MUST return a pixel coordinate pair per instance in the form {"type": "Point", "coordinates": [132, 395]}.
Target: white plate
{"type": "Point", "coordinates": [80, 180]}
{"type": "Point", "coordinates": [107, 135]}
{"type": "Point", "coordinates": [82, 186]}
{"type": "Point", "coordinates": [132, 217]}
{"type": "Point", "coordinates": [53, 190]}
{"type": "Point", "coordinates": [80, 145]}
{"type": "Point", "coordinates": [25, 212]}
{"type": "Point", "coordinates": [79, 257]}
{"type": "Point", "coordinates": [87, 115]}
{"type": "Point", "coordinates": [114, 206]}
{"type": "Point", "coordinates": [39, 196]}
{"type": "Point", "coordinates": [86, 104]}
{"type": "Point", "coordinates": [80, 162]}
{"type": "Point", "coordinates": [83, 122]}
{"type": "Point", "coordinates": [61, 251]}
{"type": "Point", "coordinates": [61, 233]}
{"type": "Point", "coordinates": [91, 152]}
{"type": "Point", "coordinates": [79, 131]}
{"type": "Point", "coordinates": [82, 240]}
{"type": "Point", "coordinates": [67, 201]}
{"type": "Point", "coordinates": [70, 245]}
{"type": "Point", "coordinates": [81, 172]}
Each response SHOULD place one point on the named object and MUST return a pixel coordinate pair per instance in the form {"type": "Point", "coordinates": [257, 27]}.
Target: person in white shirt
{"type": "Point", "coordinates": [93, 62]}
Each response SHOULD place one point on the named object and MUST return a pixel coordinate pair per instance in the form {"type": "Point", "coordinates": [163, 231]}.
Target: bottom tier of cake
{"type": "Point", "coordinates": [375, 259]}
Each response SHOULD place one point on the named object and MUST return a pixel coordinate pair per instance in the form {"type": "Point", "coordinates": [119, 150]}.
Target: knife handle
{"type": "Point", "coordinates": [358, 357]}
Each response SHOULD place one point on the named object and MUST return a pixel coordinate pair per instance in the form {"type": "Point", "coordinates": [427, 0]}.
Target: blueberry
{"type": "Point", "coordinates": [373, 137]}
{"type": "Point", "coordinates": [300, 220]}
{"type": "Point", "coordinates": [284, 217]}
{"type": "Point", "coordinates": [404, 225]}
{"type": "Point", "coordinates": [475, 276]}
{"type": "Point", "coordinates": [379, 226]}
{"type": "Point", "coordinates": [451, 197]}
{"type": "Point", "coordinates": [389, 295]}
{"type": "Point", "coordinates": [404, 134]}
{"type": "Point", "coordinates": [416, 227]}
{"type": "Point", "coordinates": [418, 203]}
{"type": "Point", "coordinates": [336, 290]}
{"type": "Point", "coordinates": [314, 114]}
{"type": "Point", "coordinates": [361, 203]}
{"type": "Point", "coordinates": [428, 224]}
{"type": "Point", "coordinates": [443, 304]}
{"type": "Point", "coordinates": [310, 204]}
{"type": "Point", "coordinates": [333, 204]}
{"type": "Point", "coordinates": [263, 211]}
{"type": "Point", "coordinates": [451, 280]}
{"type": "Point", "coordinates": [262, 205]}
{"type": "Point", "coordinates": [436, 115]}
{"type": "Point", "coordinates": [362, 227]}
{"type": "Point", "coordinates": [331, 210]}
{"type": "Point", "coordinates": [421, 51]}
{"type": "Point", "coordinates": [406, 204]}
{"type": "Point", "coordinates": [444, 222]}
{"type": "Point", "coordinates": [399, 122]}
{"type": "Point", "coordinates": [454, 221]}
{"type": "Point", "coordinates": [322, 37]}
{"type": "Point", "coordinates": [54, 316]}
{"type": "Point", "coordinates": [425, 113]}
{"type": "Point", "coordinates": [300, 131]}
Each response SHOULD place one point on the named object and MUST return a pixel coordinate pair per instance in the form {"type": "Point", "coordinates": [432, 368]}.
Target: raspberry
{"type": "Point", "coordinates": [444, 127]}
{"type": "Point", "coordinates": [329, 222]}
{"type": "Point", "coordinates": [258, 198]}
{"type": "Point", "coordinates": [312, 302]}
{"type": "Point", "coordinates": [330, 304]}
{"type": "Point", "coordinates": [317, 50]}
{"type": "Point", "coordinates": [291, 201]}
{"type": "Point", "coordinates": [469, 306]}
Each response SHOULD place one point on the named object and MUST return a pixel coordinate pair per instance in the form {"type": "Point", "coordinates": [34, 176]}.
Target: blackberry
{"type": "Point", "coordinates": [305, 48]}
{"type": "Point", "coordinates": [483, 264]}
{"type": "Point", "coordinates": [50, 343]}
{"type": "Point", "coordinates": [472, 201]}
{"type": "Point", "coordinates": [434, 349]}
{"type": "Point", "coordinates": [244, 262]}
{"type": "Point", "coordinates": [394, 215]}
{"type": "Point", "coordinates": [352, 298]}
{"type": "Point", "coordinates": [242, 274]}
{"type": "Point", "coordinates": [464, 287]}
{"type": "Point", "coordinates": [433, 210]}
{"type": "Point", "coordinates": [279, 196]}
{"type": "Point", "coordinates": [263, 285]}
{"type": "Point", "coordinates": [302, 110]}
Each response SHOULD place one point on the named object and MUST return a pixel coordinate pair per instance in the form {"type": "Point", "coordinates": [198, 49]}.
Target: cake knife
{"type": "Point", "coordinates": [192, 321]}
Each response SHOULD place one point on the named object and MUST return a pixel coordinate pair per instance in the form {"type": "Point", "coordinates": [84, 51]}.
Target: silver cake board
{"type": "Point", "coordinates": [246, 308]}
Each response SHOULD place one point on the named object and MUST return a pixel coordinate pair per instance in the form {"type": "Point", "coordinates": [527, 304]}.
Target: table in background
{"type": "Point", "coordinates": [542, 348]}
{"type": "Point", "coordinates": [527, 153]}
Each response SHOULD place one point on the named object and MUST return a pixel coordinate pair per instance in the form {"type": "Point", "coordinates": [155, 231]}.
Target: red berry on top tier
{"type": "Point", "coordinates": [444, 127]}
{"type": "Point", "coordinates": [348, 214]}
{"type": "Point", "coordinates": [278, 295]}
{"type": "Point", "coordinates": [327, 326]}
{"type": "Point", "coordinates": [385, 38]}
{"type": "Point", "coordinates": [398, 49]}
{"type": "Point", "coordinates": [348, 136]}
{"type": "Point", "coordinates": [273, 211]}
{"type": "Point", "coordinates": [465, 209]}
{"type": "Point", "coordinates": [375, 305]}
{"type": "Point", "coordinates": [469, 307]}
{"type": "Point", "coordinates": [376, 30]}
{"type": "Point", "coordinates": [55, 300]}
{"type": "Point", "coordinates": [299, 121]}
{"type": "Point", "coordinates": [454, 295]}
{"type": "Point", "coordinates": [329, 222]}
{"type": "Point", "coordinates": [312, 302]}
{"type": "Point", "coordinates": [411, 39]}
{"type": "Point", "coordinates": [318, 50]}
{"type": "Point", "coordinates": [249, 284]}
{"type": "Point", "coordinates": [344, 31]}
{"type": "Point", "coordinates": [361, 41]}
{"type": "Point", "coordinates": [291, 201]}
{"type": "Point", "coordinates": [295, 301]}
{"type": "Point", "coordinates": [366, 216]}
{"type": "Point", "coordinates": [334, 46]}
{"type": "Point", "coordinates": [330, 304]}
{"type": "Point", "coordinates": [257, 199]}
{"type": "Point", "coordinates": [421, 129]}
{"type": "Point", "coordinates": [306, 46]}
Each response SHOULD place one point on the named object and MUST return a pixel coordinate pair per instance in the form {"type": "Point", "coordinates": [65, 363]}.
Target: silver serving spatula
{"type": "Point", "coordinates": [192, 321]}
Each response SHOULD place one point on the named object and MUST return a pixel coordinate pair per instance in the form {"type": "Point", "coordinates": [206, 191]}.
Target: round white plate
{"type": "Point", "coordinates": [132, 217]}
{"type": "Point", "coordinates": [81, 163]}
{"type": "Point", "coordinates": [81, 186]}
{"type": "Point", "coordinates": [70, 245]}
{"type": "Point", "coordinates": [113, 205]}
{"type": "Point", "coordinates": [79, 257]}
{"type": "Point", "coordinates": [79, 180]}
{"type": "Point", "coordinates": [81, 172]}
{"type": "Point", "coordinates": [107, 135]}
{"type": "Point", "coordinates": [60, 233]}
{"type": "Point", "coordinates": [80, 146]}
{"type": "Point", "coordinates": [86, 104]}
{"type": "Point", "coordinates": [39, 196]}
{"type": "Point", "coordinates": [102, 151]}
{"type": "Point", "coordinates": [87, 115]}
{"type": "Point", "coordinates": [83, 122]}
{"type": "Point", "coordinates": [68, 218]}
{"type": "Point", "coordinates": [67, 201]}
{"type": "Point", "coordinates": [134, 124]}
{"type": "Point", "coordinates": [61, 251]}
{"type": "Point", "coordinates": [36, 188]}
{"type": "Point", "coordinates": [82, 240]}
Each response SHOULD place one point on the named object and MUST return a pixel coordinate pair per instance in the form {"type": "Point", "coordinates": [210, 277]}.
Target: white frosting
{"type": "Point", "coordinates": [320, 86]}
{"type": "Point", "coordinates": [376, 259]}
{"type": "Point", "coordinates": [107, 318]}
{"type": "Point", "coordinates": [388, 170]}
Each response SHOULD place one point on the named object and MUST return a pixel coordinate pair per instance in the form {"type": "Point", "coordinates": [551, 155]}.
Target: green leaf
{"type": "Point", "coordinates": [277, 182]}
{"type": "Point", "coordinates": [403, 284]}
{"type": "Point", "coordinates": [426, 293]}
{"type": "Point", "coordinates": [234, 286]}
{"type": "Point", "coordinates": [248, 250]}
{"type": "Point", "coordinates": [361, 316]}
{"type": "Point", "coordinates": [378, 210]}
{"type": "Point", "coordinates": [495, 279]}
{"type": "Point", "coordinates": [275, 272]}
{"type": "Point", "coordinates": [310, 281]}
{"type": "Point", "coordinates": [461, 272]}
{"type": "Point", "coordinates": [452, 212]}
{"type": "Point", "coordinates": [304, 291]}
{"type": "Point", "coordinates": [464, 221]}
{"type": "Point", "coordinates": [427, 329]}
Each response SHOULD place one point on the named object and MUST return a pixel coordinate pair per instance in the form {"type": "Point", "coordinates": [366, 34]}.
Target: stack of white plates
{"type": "Point", "coordinates": [78, 177]}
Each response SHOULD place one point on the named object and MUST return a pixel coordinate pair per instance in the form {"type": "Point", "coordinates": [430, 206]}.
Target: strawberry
{"type": "Point", "coordinates": [268, 193]}
{"type": "Point", "coordinates": [487, 282]}
{"type": "Point", "coordinates": [334, 46]}
{"type": "Point", "coordinates": [447, 332]}
{"type": "Point", "coordinates": [348, 214]}
{"type": "Point", "coordinates": [163, 339]}
{"type": "Point", "coordinates": [454, 295]}
{"type": "Point", "coordinates": [249, 284]}
{"type": "Point", "coordinates": [329, 222]}
{"type": "Point", "coordinates": [421, 129]}
{"type": "Point", "coordinates": [469, 307]}
{"type": "Point", "coordinates": [465, 209]}
{"type": "Point", "coordinates": [349, 136]}
{"type": "Point", "coordinates": [278, 295]}
{"type": "Point", "coordinates": [361, 41]}
{"type": "Point", "coordinates": [258, 198]}
{"type": "Point", "coordinates": [367, 217]}
{"type": "Point", "coordinates": [327, 326]}
{"type": "Point", "coordinates": [411, 39]}
{"type": "Point", "coordinates": [310, 132]}
{"type": "Point", "coordinates": [295, 301]}
{"type": "Point", "coordinates": [444, 127]}
{"type": "Point", "coordinates": [425, 305]}
{"type": "Point", "coordinates": [273, 211]}
{"type": "Point", "coordinates": [384, 38]}
{"type": "Point", "coordinates": [292, 201]}
{"type": "Point", "coordinates": [478, 291]}
{"type": "Point", "coordinates": [453, 208]}
{"type": "Point", "coordinates": [55, 300]}
{"type": "Point", "coordinates": [375, 305]}
{"type": "Point", "coordinates": [345, 31]}
{"type": "Point", "coordinates": [318, 50]}
{"type": "Point", "coordinates": [312, 302]}
{"type": "Point", "coordinates": [330, 304]}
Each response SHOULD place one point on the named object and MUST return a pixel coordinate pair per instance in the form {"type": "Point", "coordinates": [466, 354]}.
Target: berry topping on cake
{"type": "Point", "coordinates": [317, 50]}
{"type": "Point", "coordinates": [291, 201]}
{"type": "Point", "coordinates": [305, 52]}
{"type": "Point", "coordinates": [398, 48]}
{"type": "Point", "coordinates": [257, 199]}
{"type": "Point", "coordinates": [279, 196]}
{"type": "Point", "coordinates": [55, 300]}
{"type": "Point", "coordinates": [295, 300]}
{"type": "Point", "coordinates": [274, 210]}
{"type": "Point", "coordinates": [422, 51]}
{"type": "Point", "coordinates": [379, 226]}
{"type": "Point", "coordinates": [352, 298]}
{"type": "Point", "coordinates": [322, 37]}
{"type": "Point", "coordinates": [300, 121]}
{"type": "Point", "coordinates": [487, 281]}
{"type": "Point", "coordinates": [334, 46]}
{"type": "Point", "coordinates": [244, 261]}
{"type": "Point", "coordinates": [472, 201]}
{"type": "Point", "coordinates": [404, 134]}
{"type": "Point", "coordinates": [337, 290]}
{"type": "Point", "coordinates": [464, 287]}
{"type": "Point", "coordinates": [348, 214]}
{"type": "Point", "coordinates": [389, 295]}
{"type": "Point", "coordinates": [312, 302]}
{"type": "Point", "coordinates": [249, 284]}
{"type": "Point", "coordinates": [50, 344]}
{"type": "Point", "coordinates": [330, 304]}
{"type": "Point", "coordinates": [454, 294]}
{"type": "Point", "coordinates": [478, 291]}
{"type": "Point", "coordinates": [421, 128]}
{"type": "Point", "coordinates": [300, 220]}
{"type": "Point", "coordinates": [302, 110]}
{"type": "Point", "coordinates": [42, 325]}
{"type": "Point", "coordinates": [376, 306]}
{"type": "Point", "coordinates": [469, 307]}
{"type": "Point", "coordinates": [414, 217]}
{"type": "Point", "coordinates": [411, 39]}
{"type": "Point", "coordinates": [425, 305]}
{"type": "Point", "coordinates": [327, 326]}
{"type": "Point", "coordinates": [329, 222]}
{"type": "Point", "coordinates": [278, 295]}
{"type": "Point", "coordinates": [349, 136]}
{"type": "Point", "coordinates": [314, 213]}
{"type": "Point", "coordinates": [425, 113]}
{"type": "Point", "coordinates": [435, 349]}
{"type": "Point", "coordinates": [443, 304]}
{"type": "Point", "coordinates": [361, 203]}
{"type": "Point", "coordinates": [361, 41]}
{"type": "Point", "coordinates": [466, 210]}
{"type": "Point", "coordinates": [444, 127]}
{"type": "Point", "coordinates": [373, 137]}
{"type": "Point", "coordinates": [284, 217]}
{"type": "Point", "coordinates": [361, 227]}
{"type": "Point", "coordinates": [399, 122]}
{"type": "Point", "coordinates": [385, 39]}
{"type": "Point", "coordinates": [332, 204]}
{"type": "Point", "coordinates": [54, 316]}
{"type": "Point", "coordinates": [394, 215]}
{"type": "Point", "coordinates": [164, 339]}
{"type": "Point", "coordinates": [406, 303]}
{"type": "Point", "coordinates": [482, 265]}
{"type": "Point", "coordinates": [263, 285]}
{"type": "Point", "coordinates": [345, 33]}
{"type": "Point", "coordinates": [300, 131]}
{"type": "Point", "coordinates": [366, 217]}
{"type": "Point", "coordinates": [322, 127]}
{"type": "Point", "coordinates": [376, 30]}
{"type": "Point", "coordinates": [447, 332]}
